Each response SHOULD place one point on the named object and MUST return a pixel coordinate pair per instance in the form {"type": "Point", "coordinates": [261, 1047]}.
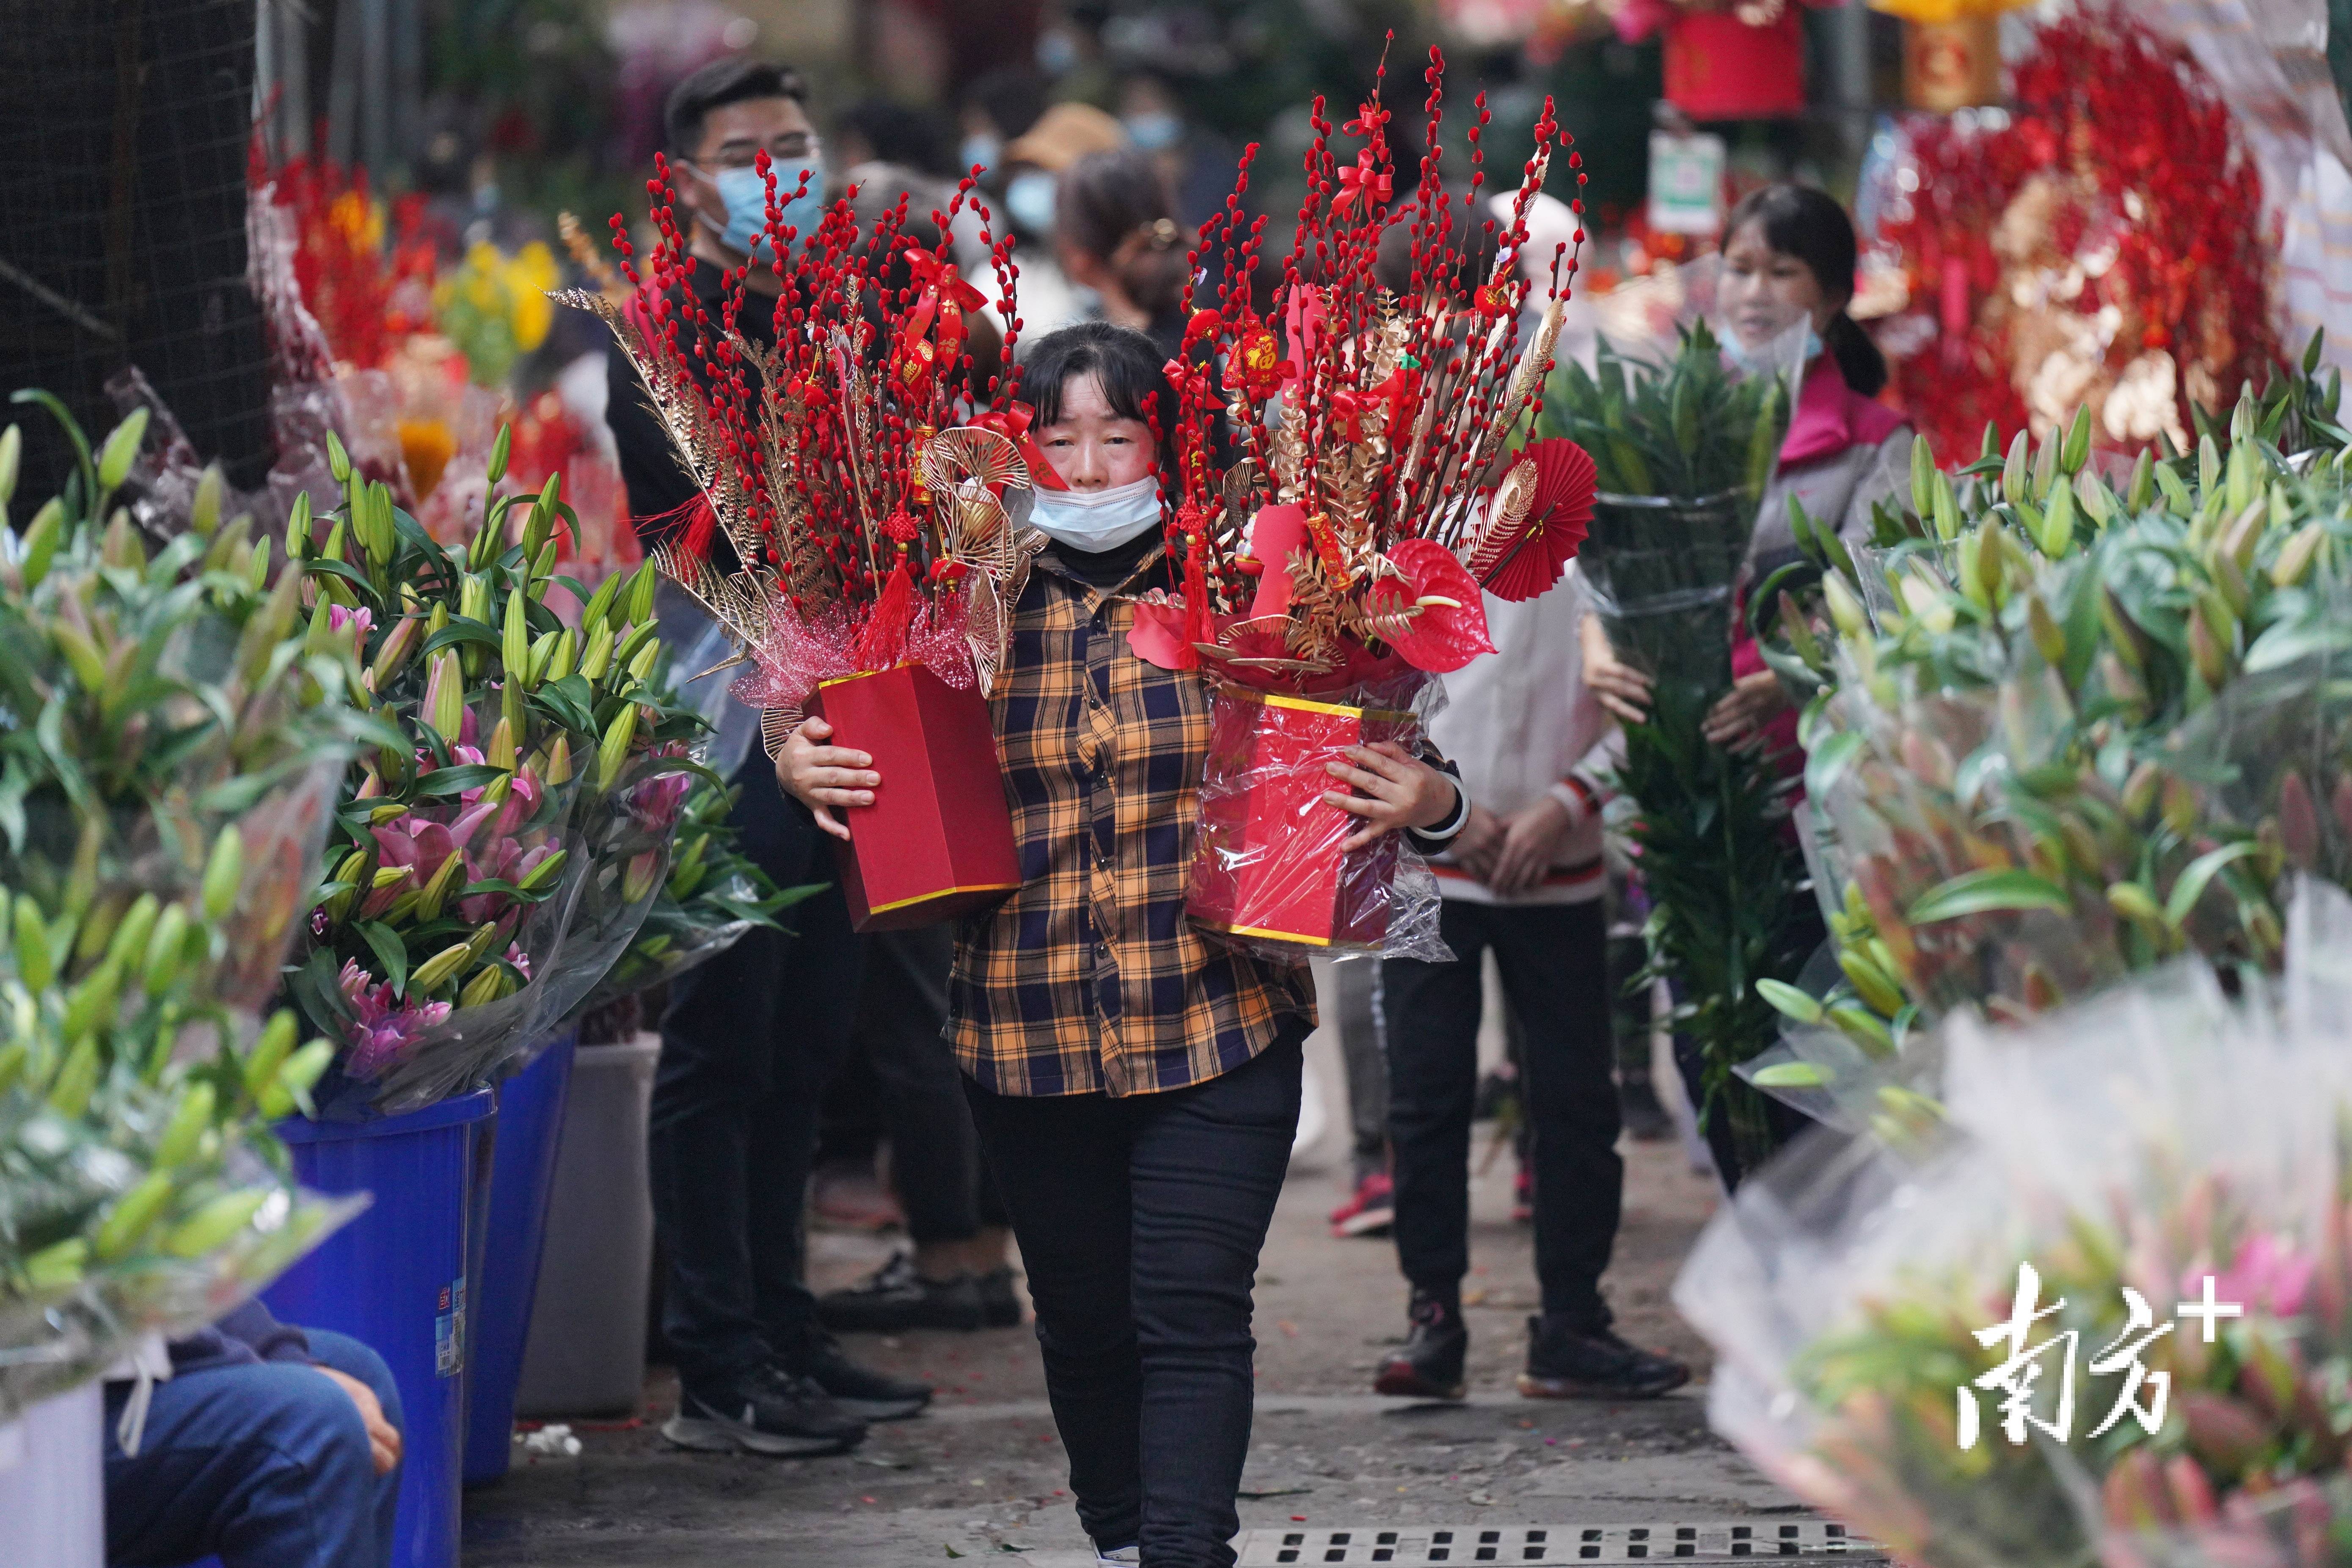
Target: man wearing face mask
{"type": "Point", "coordinates": [750, 1038]}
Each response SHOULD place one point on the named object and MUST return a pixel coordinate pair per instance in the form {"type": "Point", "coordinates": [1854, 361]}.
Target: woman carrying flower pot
{"type": "Point", "coordinates": [1135, 1081]}
{"type": "Point", "coordinates": [1788, 259]}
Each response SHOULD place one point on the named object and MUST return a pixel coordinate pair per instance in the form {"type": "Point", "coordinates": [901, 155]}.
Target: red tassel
{"type": "Point", "coordinates": [883, 640]}
{"type": "Point", "coordinates": [1198, 627]}
{"type": "Point", "coordinates": [700, 524]}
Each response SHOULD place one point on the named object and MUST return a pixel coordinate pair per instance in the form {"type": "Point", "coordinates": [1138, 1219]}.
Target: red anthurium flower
{"type": "Point", "coordinates": [1450, 627]}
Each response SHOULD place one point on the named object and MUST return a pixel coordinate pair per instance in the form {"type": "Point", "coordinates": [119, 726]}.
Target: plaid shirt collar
{"type": "Point", "coordinates": [1089, 978]}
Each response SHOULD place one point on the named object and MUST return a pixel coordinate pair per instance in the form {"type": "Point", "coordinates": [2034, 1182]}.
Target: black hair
{"type": "Point", "coordinates": [1012, 98]}
{"type": "Point", "coordinates": [921, 138]}
{"type": "Point", "coordinates": [1129, 365]}
{"type": "Point", "coordinates": [734, 80]}
{"type": "Point", "coordinates": [1811, 225]}
{"type": "Point", "coordinates": [1115, 207]}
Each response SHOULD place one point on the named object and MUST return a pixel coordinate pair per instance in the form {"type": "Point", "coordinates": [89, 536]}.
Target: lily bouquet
{"type": "Point", "coordinates": [1340, 560]}
{"type": "Point", "coordinates": [1999, 1351]}
{"type": "Point", "coordinates": [2065, 733]}
{"type": "Point", "coordinates": [495, 849]}
{"type": "Point", "coordinates": [169, 744]}
{"type": "Point", "coordinates": [1684, 447]}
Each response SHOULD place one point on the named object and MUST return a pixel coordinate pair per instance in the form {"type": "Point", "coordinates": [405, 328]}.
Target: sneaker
{"type": "Point", "coordinates": [1564, 1362]}
{"type": "Point", "coordinates": [1370, 1210]}
{"type": "Point", "coordinates": [1117, 1555]}
{"type": "Point", "coordinates": [999, 1304]}
{"type": "Point", "coordinates": [1429, 1366]}
{"type": "Point", "coordinates": [894, 1297]}
{"type": "Point", "coordinates": [763, 1412]}
{"type": "Point", "coordinates": [1523, 1197]}
{"type": "Point", "coordinates": [861, 1391]}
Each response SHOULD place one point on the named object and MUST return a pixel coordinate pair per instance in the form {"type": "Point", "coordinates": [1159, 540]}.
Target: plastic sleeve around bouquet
{"type": "Point", "coordinates": [1269, 871]}
{"type": "Point", "coordinates": [625, 835]}
{"type": "Point", "coordinates": [2154, 1137]}
{"type": "Point", "coordinates": [231, 1231]}
{"type": "Point", "coordinates": [677, 937]}
{"type": "Point", "coordinates": [403, 1051]}
{"type": "Point", "coordinates": [1661, 570]}
{"type": "Point", "coordinates": [1918, 791]}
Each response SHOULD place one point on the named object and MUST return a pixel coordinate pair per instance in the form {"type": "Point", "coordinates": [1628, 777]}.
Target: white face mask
{"type": "Point", "coordinates": [1097, 520]}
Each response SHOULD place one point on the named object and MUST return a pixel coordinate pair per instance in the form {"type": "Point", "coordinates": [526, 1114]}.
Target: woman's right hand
{"type": "Point", "coordinates": [1622, 689]}
{"type": "Point", "coordinates": [818, 775]}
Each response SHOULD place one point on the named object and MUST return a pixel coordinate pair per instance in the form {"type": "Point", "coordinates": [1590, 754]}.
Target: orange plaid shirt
{"type": "Point", "coordinates": [1089, 979]}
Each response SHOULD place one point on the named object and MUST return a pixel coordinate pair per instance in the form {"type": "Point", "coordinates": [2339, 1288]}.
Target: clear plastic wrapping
{"type": "Point", "coordinates": [1866, 1302]}
{"type": "Point", "coordinates": [1269, 870]}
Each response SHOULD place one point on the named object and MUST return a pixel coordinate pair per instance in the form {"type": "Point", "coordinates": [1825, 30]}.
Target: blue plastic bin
{"type": "Point", "coordinates": [522, 1177]}
{"type": "Point", "coordinates": [394, 1278]}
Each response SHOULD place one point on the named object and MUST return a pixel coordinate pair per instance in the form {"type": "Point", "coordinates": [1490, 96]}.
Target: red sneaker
{"type": "Point", "coordinates": [1523, 1198]}
{"type": "Point", "coordinates": [1370, 1210]}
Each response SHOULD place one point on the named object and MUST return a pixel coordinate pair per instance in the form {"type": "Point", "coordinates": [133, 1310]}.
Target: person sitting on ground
{"type": "Point", "coordinates": [261, 1444]}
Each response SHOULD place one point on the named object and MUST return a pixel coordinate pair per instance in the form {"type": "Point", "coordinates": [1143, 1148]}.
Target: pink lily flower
{"type": "Point", "coordinates": [381, 1028]}
{"type": "Point", "coordinates": [2264, 1277]}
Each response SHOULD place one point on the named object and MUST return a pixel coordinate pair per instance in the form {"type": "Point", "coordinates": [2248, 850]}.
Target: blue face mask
{"type": "Point", "coordinates": [1150, 133]}
{"type": "Point", "coordinates": [1029, 197]}
{"type": "Point", "coordinates": [746, 195]}
{"type": "Point", "coordinates": [979, 148]}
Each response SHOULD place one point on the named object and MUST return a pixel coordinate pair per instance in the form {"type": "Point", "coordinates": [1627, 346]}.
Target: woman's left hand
{"type": "Point", "coordinates": [1744, 709]}
{"type": "Point", "coordinates": [1395, 789]}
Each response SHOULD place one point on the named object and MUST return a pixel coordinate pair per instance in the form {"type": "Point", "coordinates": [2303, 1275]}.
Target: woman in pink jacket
{"type": "Point", "coordinates": [1788, 256]}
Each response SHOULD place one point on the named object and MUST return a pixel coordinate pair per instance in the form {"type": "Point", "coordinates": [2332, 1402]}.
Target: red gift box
{"type": "Point", "coordinates": [1267, 863]}
{"type": "Point", "coordinates": [938, 840]}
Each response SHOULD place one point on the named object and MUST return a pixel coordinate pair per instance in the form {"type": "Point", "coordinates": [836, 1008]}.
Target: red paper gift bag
{"type": "Point", "coordinates": [1266, 863]}
{"type": "Point", "coordinates": [938, 840]}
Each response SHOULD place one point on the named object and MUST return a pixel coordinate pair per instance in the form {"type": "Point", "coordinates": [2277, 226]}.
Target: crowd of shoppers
{"type": "Point", "coordinates": [1081, 1071]}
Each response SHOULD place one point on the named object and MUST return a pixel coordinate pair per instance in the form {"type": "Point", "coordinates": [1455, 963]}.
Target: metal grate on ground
{"type": "Point", "coordinates": [1417, 1546]}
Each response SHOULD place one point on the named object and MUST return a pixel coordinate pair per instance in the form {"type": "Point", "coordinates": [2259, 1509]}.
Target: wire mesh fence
{"type": "Point", "coordinates": [123, 141]}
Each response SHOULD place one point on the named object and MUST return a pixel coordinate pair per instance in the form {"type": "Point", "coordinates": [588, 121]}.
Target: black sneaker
{"type": "Point", "coordinates": [1567, 1362]}
{"type": "Point", "coordinates": [763, 1412]}
{"type": "Point", "coordinates": [999, 1304]}
{"type": "Point", "coordinates": [894, 1297]}
{"type": "Point", "coordinates": [1429, 1366]}
{"type": "Point", "coordinates": [861, 1391]}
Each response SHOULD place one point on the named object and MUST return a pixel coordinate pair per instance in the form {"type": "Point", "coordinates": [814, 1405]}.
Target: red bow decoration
{"type": "Point", "coordinates": [1369, 118]}
{"type": "Point", "coordinates": [1362, 179]}
{"type": "Point", "coordinates": [933, 333]}
{"type": "Point", "coordinates": [1190, 382]}
{"type": "Point", "coordinates": [1012, 422]}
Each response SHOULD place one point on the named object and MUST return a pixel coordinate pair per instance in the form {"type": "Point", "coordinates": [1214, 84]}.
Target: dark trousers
{"type": "Point", "coordinates": [934, 1156]}
{"type": "Point", "coordinates": [1140, 1221]}
{"type": "Point", "coordinates": [1555, 964]}
{"type": "Point", "coordinates": [748, 1043]}
{"type": "Point", "coordinates": [263, 1466]}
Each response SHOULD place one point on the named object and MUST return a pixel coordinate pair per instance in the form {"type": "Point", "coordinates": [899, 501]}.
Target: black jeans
{"type": "Point", "coordinates": [1140, 1221]}
{"type": "Point", "coordinates": [748, 1043]}
{"type": "Point", "coordinates": [934, 1156]}
{"type": "Point", "coordinates": [1555, 963]}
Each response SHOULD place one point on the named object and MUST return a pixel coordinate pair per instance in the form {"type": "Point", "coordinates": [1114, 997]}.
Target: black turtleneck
{"type": "Point", "coordinates": [1108, 568]}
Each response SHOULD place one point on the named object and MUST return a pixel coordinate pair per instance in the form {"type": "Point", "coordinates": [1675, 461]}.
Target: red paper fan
{"type": "Point", "coordinates": [1518, 561]}
{"type": "Point", "coordinates": [1442, 636]}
